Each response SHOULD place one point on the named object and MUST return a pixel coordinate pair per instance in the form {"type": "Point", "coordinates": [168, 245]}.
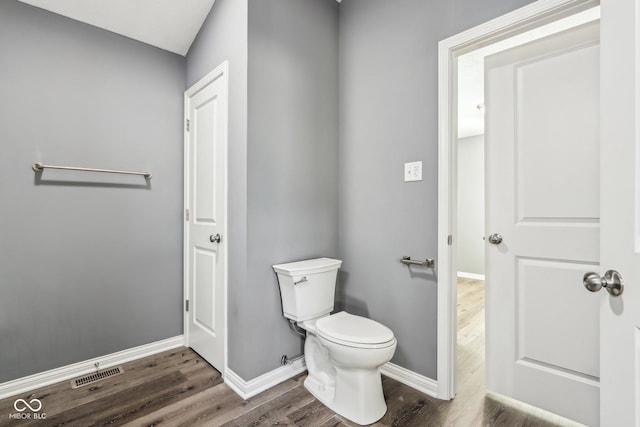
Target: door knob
{"type": "Point", "coordinates": [612, 281]}
{"type": "Point", "coordinates": [215, 239]}
{"type": "Point", "coordinates": [495, 239]}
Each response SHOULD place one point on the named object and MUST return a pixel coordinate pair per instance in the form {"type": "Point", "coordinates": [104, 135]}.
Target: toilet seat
{"type": "Point", "coordinates": [354, 331]}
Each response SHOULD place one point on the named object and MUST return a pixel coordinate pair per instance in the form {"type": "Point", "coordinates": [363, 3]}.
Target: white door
{"type": "Point", "coordinates": [206, 215]}
{"type": "Point", "coordinates": [620, 212]}
{"type": "Point", "coordinates": [543, 171]}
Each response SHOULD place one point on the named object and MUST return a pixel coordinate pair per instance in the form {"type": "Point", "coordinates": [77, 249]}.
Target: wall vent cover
{"type": "Point", "coordinates": [97, 376]}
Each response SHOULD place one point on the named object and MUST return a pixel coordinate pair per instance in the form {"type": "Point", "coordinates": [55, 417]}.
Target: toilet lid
{"type": "Point", "coordinates": [349, 328]}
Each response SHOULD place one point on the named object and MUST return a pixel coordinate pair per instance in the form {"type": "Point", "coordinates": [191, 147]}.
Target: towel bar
{"type": "Point", "coordinates": [39, 167]}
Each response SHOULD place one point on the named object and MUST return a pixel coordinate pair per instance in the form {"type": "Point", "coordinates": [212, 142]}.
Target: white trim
{"type": "Point", "coordinates": [43, 379]}
{"type": "Point", "coordinates": [526, 18]}
{"type": "Point", "coordinates": [409, 378]}
{"type": "Point", "coordinates": [248, 389]}
{"type": "Point", "coordinates": [473, 276]}
{"type": "Point", "coordinates": [221, 71]}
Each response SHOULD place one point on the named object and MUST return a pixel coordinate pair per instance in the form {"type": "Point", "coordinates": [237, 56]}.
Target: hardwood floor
{"type": "Point", "coordinates": [178, 388]}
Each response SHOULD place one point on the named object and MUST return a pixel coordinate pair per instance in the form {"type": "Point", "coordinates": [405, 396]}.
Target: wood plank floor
{"type": "Point", "coordinates": [178, 388]}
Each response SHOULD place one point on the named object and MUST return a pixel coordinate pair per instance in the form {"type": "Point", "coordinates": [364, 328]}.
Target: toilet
{"type": "Point", "coordinates": [343, 352]}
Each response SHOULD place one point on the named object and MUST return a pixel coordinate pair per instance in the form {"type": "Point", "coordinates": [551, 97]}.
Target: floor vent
{"type": "Point", "coordinates": [100, 375]}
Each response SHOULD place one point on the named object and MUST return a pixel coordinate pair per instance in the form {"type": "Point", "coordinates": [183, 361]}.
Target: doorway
{"type": "Point", "coordinates": [477, 42]}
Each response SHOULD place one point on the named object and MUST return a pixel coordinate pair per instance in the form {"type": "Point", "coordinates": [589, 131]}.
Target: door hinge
{"type": "Point", "coordinates": [186, 305]}
{"type": "Point", "coordinates": [450, 240]}
{"type": "Point", "coordinates": [188, 125]}
{"type": "Point", "coordinates": [186, 215]}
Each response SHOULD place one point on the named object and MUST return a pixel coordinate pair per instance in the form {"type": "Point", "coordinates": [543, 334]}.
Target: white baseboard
{"type": "Point", "coordinates": [247, 389]}
{"type": "Point", "coordinates": [42, 379]}
{"type": "Point", "coordinates": [473, 276]}
{"type": "Point", "coordinates": [409, 378]}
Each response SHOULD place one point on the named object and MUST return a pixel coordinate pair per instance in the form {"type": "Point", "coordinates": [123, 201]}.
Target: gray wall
{"type": "Point", "coordinates": [292, 158]}
{"type": "Point", "coordinates": [471, 204]}
{"type": "Point", "coordinates": [89, 264]}
{"type": "Point", "coordinates": [283, 61]}
{"type": "Point", "coordinates": [388, 116]}
{"type": "Point", "coordinates": [224, 37]}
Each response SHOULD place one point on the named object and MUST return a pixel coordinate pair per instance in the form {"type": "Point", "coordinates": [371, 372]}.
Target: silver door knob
{"type": "Point", "coordinates": [495, 239]}
{"type": "Point", "coordinates": [215, 239]}
{"type": "Point", "coordinates": [611, 281]}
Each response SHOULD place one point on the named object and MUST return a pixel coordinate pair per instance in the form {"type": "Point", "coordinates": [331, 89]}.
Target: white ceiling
{"type": "Point", "coordinates": [471, 70]}
{"type": "Point", "coordinates": [168, 24]}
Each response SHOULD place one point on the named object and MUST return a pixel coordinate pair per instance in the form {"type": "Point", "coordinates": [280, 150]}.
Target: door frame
{"type": "Point", "coordinates": [526, 18]}
{"type": "Point", "coordinates": [220, 72]}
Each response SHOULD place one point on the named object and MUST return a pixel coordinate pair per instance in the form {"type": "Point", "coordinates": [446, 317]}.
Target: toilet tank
{"type": "Point", "coordinates": [307, 287]}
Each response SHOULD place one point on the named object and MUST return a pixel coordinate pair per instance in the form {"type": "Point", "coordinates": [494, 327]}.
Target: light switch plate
{"type": "Point", "coordinates": [413, 171]}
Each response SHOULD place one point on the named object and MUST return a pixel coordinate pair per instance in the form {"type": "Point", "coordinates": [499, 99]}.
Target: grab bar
{"type": "Point", "coordinates": [429, 262]}
{"type": "Point", "coordinates": [39, 167]}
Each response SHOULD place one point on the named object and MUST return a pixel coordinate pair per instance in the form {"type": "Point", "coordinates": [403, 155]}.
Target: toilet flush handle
{"type": "Point", "coordinates": [302, 279]}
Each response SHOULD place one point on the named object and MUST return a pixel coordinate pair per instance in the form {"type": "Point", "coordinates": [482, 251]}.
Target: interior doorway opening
{"type": "Point", "coordinates": [467, 275]}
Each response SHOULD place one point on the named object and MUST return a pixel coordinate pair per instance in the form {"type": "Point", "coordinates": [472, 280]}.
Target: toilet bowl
{"type": "Point", "coordinates": [343, 352]}
{"type": "Point", "coordinates": [357, 347]}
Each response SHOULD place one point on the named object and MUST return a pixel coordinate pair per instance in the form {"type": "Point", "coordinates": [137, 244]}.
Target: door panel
{"type": "Point", "coordinates": [551, 185]}
{"type": "Point", "coordinates": [534, 289]}
{"type": "Point", "coordinates": [542, 113]}
{"type": "Point", "coordinates": [205, 254]}
{"type": "Point", "coordinates": [205, 160]}
{"type": "Point", "coordinates": [203, 293]}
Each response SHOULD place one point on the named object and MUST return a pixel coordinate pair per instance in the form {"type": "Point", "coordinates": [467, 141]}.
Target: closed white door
{"type": "Point", "coordinates": [206, 216]}
{"type": "Point", "coordinates": [543, 181]}
{"type": "Point", "coordinates": [620, 212]}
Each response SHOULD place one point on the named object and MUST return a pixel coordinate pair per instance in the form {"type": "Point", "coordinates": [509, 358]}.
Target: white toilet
{"type": "Point", "coordinates": [343, 352]}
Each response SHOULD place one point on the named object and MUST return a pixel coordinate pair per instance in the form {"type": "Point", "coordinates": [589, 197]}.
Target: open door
{"type": "Point", "coordinates": [543, 210]}
{"type": "Point", "coordinates": [620, 212]}
{"type": "Point", "coordinates": [618, 173]}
